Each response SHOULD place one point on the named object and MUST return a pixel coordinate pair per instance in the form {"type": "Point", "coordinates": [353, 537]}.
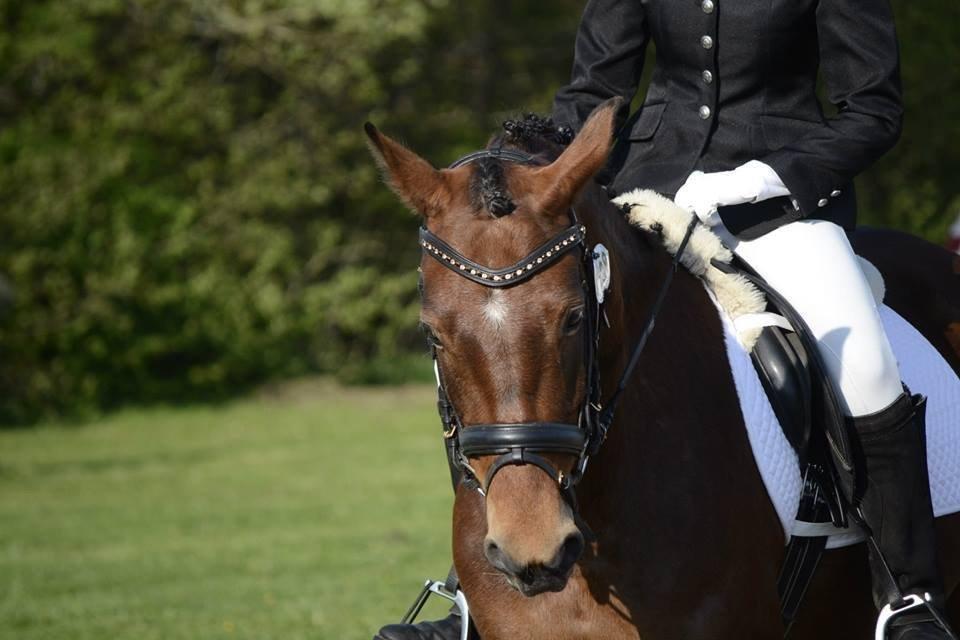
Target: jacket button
{"type": "Point", "coordinates": [835, 193]}
{"type": "Point", "coordinates": [706, 42]}
{"type": "Point", "coordinates": [704, 112]}
{"type": "Point", "coordinates": [823, 202]}
{"type": "Point", "coordinates": [707, 6]}
{"type": "Point", "coordinates": [707, 76]}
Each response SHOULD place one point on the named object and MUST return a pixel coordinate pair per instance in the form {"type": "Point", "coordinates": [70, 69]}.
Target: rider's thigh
{"type": "Point", "coordinates": [813, 266]}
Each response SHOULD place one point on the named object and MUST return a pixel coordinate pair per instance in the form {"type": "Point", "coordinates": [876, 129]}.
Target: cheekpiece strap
{"type": "Point", "coordinates": [539, 259]}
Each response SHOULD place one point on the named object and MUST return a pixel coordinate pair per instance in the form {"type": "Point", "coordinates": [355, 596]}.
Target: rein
{"type": "Point", "coordinates": [606, 415]}
{"type": "Point", "coordinates": [522, 443]}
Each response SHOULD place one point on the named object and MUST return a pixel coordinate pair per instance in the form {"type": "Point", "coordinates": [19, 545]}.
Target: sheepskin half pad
{"type": "Point", "coordinates": [735, 295]}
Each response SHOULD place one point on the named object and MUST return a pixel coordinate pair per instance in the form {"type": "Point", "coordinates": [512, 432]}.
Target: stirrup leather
{"type": "Point", "coordinates": [436, 587]}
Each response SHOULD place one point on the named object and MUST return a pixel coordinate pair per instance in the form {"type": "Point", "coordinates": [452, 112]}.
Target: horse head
{"type": "Point", "coordinates": [512, 355]}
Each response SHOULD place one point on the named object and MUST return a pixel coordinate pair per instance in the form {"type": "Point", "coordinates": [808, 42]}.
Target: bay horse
{"type": "Point", "coordinates": [686, 542]}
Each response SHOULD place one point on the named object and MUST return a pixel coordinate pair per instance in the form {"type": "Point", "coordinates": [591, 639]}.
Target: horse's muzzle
{"type": "Point", "coordinates": [534, 579]}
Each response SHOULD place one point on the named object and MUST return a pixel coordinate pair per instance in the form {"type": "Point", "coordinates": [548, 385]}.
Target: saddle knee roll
{"type": "Point", "coordinates": [782, 365]}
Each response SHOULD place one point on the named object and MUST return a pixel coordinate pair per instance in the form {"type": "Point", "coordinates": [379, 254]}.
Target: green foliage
{"type": "Point", "coordinates": [914, 187]}
{"type": "Point", "coordinates": [188, 204]}
{"type": "Point", "coordinates": [189, 207]}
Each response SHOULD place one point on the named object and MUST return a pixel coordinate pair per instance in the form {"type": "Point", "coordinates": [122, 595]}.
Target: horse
{"type": "Point", "coordinates": [685, 542]}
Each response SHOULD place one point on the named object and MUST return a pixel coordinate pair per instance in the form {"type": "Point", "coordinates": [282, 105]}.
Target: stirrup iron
{"type": "Point", "coordinates": [908, 603]}
{"type": "Point", "coordinates": [436, 587]}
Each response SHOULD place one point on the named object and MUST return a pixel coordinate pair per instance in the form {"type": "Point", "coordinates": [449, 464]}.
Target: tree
{"type": "Point", "coordinates": [189, 206]}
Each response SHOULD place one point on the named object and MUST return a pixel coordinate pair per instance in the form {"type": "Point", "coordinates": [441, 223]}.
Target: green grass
{"type": "Point", "coordinates": [306, 513]}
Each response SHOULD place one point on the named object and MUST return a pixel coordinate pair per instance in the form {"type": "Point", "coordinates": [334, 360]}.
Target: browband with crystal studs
{"type": "Point", "coordinates": [540, 258]}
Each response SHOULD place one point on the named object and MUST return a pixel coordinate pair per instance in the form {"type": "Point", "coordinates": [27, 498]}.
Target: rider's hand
{"type": "Point", "coordinates": [703, 193]}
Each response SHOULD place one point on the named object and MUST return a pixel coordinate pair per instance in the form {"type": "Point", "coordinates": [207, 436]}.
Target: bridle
{"type": "Point", "coordinates": [523, 442]}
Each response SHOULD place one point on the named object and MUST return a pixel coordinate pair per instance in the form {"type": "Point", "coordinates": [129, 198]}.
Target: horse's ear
{"type": "Point", "coordinates": [561, 181]}
{"type": "Point", "coordinates": [413, 179]}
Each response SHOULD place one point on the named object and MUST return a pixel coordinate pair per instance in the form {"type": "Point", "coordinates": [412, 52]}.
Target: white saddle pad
{"type": "Point", "coordinates": [922, 369]}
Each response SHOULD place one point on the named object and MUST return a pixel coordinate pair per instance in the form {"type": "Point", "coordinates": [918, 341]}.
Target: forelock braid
{"type": "Point", "coordinates": [490, 189]}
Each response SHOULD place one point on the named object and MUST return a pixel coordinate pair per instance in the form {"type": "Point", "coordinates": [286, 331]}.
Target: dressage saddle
{"type": "Point", "coordinates": [806, 406]}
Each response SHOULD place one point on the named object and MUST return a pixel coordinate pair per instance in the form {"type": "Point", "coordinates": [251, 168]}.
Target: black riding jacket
{"type": "Point", "coordinates": [735, 80]}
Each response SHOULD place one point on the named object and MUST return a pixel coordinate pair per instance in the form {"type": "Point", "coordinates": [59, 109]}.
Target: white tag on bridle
{"type": "Point", "coordinates": [601, 271]}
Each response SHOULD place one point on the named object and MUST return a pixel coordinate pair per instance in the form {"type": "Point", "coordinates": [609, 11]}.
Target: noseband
{"type": "Point", "coordinates": [525, 442]}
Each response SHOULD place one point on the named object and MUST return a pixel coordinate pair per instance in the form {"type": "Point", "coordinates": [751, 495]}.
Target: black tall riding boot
{"type": "Point", "coordinates": [446, 629]}
{"type": "Point", "coordinates": [895, 503]}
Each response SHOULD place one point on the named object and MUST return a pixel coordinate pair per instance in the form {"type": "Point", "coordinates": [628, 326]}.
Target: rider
{"type": "Point", "coordinates": [732, 117]}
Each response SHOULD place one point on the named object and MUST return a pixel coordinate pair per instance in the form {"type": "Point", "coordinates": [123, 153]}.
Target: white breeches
{"type": "Point", "coordinates": [813, 266]}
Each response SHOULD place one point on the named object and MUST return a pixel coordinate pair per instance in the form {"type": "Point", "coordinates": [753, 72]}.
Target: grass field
{"type": "Point", "coordinates": [308, 512]}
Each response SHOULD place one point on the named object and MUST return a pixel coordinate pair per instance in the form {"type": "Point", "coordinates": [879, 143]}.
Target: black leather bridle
{"type": "Point", "coordinates": [524, 442]}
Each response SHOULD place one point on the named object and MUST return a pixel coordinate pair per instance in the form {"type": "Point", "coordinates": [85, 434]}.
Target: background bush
{"type": "Point", "coordinates": [188, 206]}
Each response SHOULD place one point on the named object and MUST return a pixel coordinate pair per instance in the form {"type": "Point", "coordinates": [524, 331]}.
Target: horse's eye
{"type": "Point", "coordinates": [573, 321]}
{"type": "Point", "coordinates": [432, 340]}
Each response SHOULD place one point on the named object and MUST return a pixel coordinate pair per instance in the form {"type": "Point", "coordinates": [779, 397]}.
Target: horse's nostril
{"type": "Point", "coordinates": [497, 558]}
{"type": "Point", "coordinates": [569, 553]}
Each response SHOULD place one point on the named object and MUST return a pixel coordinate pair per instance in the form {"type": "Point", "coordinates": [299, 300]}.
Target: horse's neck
{"type": "Point", "coordinates": [671, 432]}
{"type": "Point", "coordinates": [640, 268]}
